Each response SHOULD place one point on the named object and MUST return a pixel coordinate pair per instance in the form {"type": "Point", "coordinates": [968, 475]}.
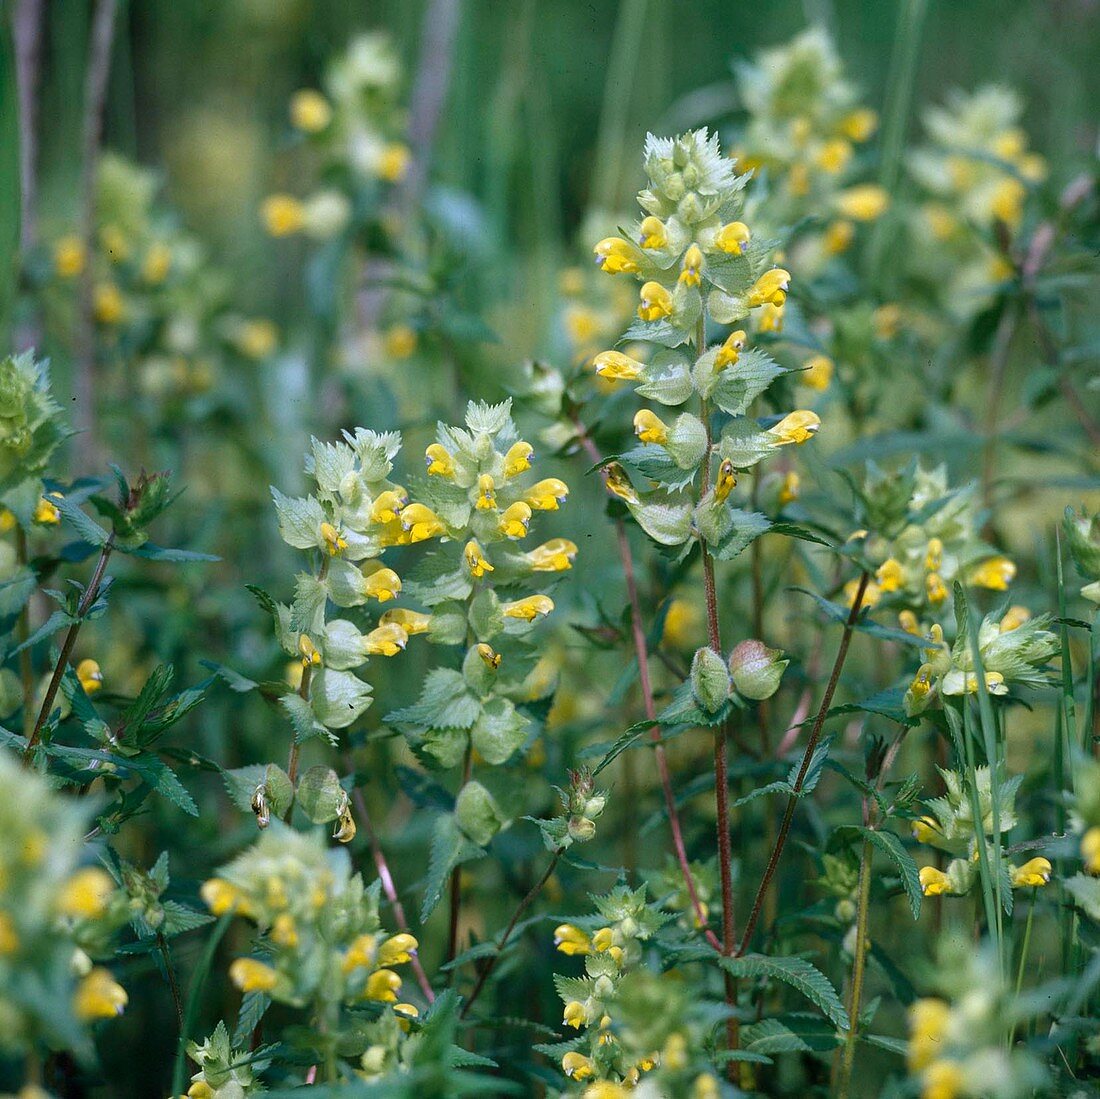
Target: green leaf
{"type": "Point", "coordinates": [445, 703]}
{"type": "Point", "coordinates": [891, 846]}
{"type": "Point", "coordinates": [800, 974]}
{"type": "Point", "coordinates": [735, 530]}
{"type": "Point", "coordinates": [303, 719]}
{"type": "Point", "coordinates": [739, 385]}
{"type": "Point", "coordinates": [449, 848]}
{"type": "Point", "coordinates": [667, 521]}
{"type": "Point", "coordinates": [87, 528]}
{"type": "Point", "coordinates": [152, 552]}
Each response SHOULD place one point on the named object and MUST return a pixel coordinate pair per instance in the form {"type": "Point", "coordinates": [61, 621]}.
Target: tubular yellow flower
{"type": "Point", "coordinates": [925, 830]}
{"type": "Point", "coordinates": [421, 522]}
{"type": "Point", "coordinates": [933, 555]}
{"type": "Point", "coordinates": [108, 305]}
{"type": "Point", "coordinates": [866, 202]}
{"type": "Point", "coordinates": [770, 318]}
{"type": "Point", "coordinates": [335, 542]}
{"type": "Point", "coordinates": [907, 620]}
{"type": "Point", "coordinates": [796, 427]}
{"type": "Point", "coordinates": [283, 215]}
{"type": "Point", "coordinates": [732, 238]}
{"type": "Point", "coordinates": [928, 1020]}
{"type": "Point", "coordinates": [68, 257]}
{"type": "Point", "coordinates": [1014, 618]}
{"type": "Point", "coordinates": [653, 234]}
{"type": "Point", "coordinates": [98, 996]}
{"type": "Point", "coordinates": [650, 428]}
{"type": "Point", "coordinates": [838, 236]}
{"type": "Point", "coordinates": [554, 556]}
{"type": "Point", "coordinates": [382, 584]}
{"type": "Point", "coordinates": [935, 588]}
{"type": "Point", "coordinates": [995, 574]}
{"type": "Point", "coordinates": [284, 932]}
{"type": "Point", "coordinates": [412, 622]}
{"type": "Point", "coordinates": [618, 484]}
{"type": "Point", "coordinates": [309, 652]}
{"type": "Point", "coordinates": [575, 1015]}
{"type": "Point", "coordinates": [397, 949]}
{"type": "Point", "coordinates": [922, 683]}
{"type": "Point", "coordinates": [409, 1011]}
{"type": "Point", "coordinates": [933, 882]}
{"type": "Point", "coordinates": [489, 656]}
{"type": "Point", "coordinates": [1007, 202]}
{"type": "Point", "coordinates": [310, 111]}
{"type": "Point", "coordinates": [529, 608]}
{"type": "Point", "coordinates": [86, 894]}
{"type": "Point", "coordinates": [475, 560]}
{"type": "Point", "coordinates": [618, 367]}
{"type": "Point", "coordinates": [547, 495]}
{"type": "Point", "coordinates": [818, 372]}
{"type": "Point", "coordinates": [515, 519]}
{"type": "Point", "coordinates": [518, 459]}
{"type": "Point", "coordinates": [834, 155]}
{"type": "Point", "coordinates": [656, 302]}
{"type": "Point", "coordinates": [486, 493]}
{"type": "Point", "coordinates": [577, 1066]}
{"type": "Point", "coordinates": [387, 505]}
{"type": "Point", "coordinates": [770, 288]}
{"type": "Point", "coordinates": [439, 461]}
{"type": "Point", "coordinates": [691, 267]}
{"type": "Point", "coordinates": [200, 1089]}
{"type": "Point", "coordinates": [789, 489]}
{"type": "Point", "coordinates": [943, 1080]}
{"type": "Point", "coordinates": [730, 351]}
{"type": "Point", "coordinates": [157, 263]}
{"type": "Point", "coordinates": [221, 897]}
{"type": "Point", "coordinates": [382, 986]}
{"type": "Point", "coordinates": [725, 482]}
{"type": "Point", "coordinates": [90, 676]}
{"type": "Point", "coordinates": [1033, 873]}
{"type": "Point", "coordinates": [256, 338]}
{"type": "Point", "coordinates": [571, 940]}
{"type": "Point", "coordinates": [890, 575]}
{"type": "Point", "coordinates": [361, 954]}
{"type": "Point", "coordinates": [393, 165]}
{"type": "Point", "coordinates": [615, 257]}
{"type": "Point", "coordinates": [250, 975]}
{"type": "Point", "coordinates": [860, 124]}
{"type": "Point", "coordinates": [387, 640]}
{"type": "Point", "coordinates": [1090, 850]}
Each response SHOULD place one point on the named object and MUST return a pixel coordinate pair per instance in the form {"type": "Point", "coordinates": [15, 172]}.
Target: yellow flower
{"type": "Point", "coordinates": [926, 830]}
{"type": "Point", "coordinates": [705, 1086]}
{"type": "Point", "coordinates": [221, 897]}
{"type": "Point", "coordinates": [518, 459]}
{"type": "Point", "coordinates": [387, 640]}
{"type": "Point", "coordinates": [656, 302]}
{"type": "Point", "coordinates": [618, 367]}
{"type": "Point", "coordinates": [571, 940]}
{"type": "Point", "coordinates": [890, 575]}
{"type": "Point", "coordinates": [582, 324]}
{"type": "Point", "coordinates": [400, 341]}
{"type": "Point", "coordinates": [818, 372]}
{"type": "Point", "coordinates": [284, 932]}
{"type": "Point", "coordinates": [653, 233]}
{"type": "Point", "coordinates": [907, 620]}
{"type": "Point", "coordinates": [995, 574]}
{"type": "Point", "coordinates": [795, 427]}
{"type": "Point", "coordinates": [68, 257]}
{"type": "Point", "coordinates": [770, 288]}
{"type": "Point", "coordinates": [439, 461]}
{"type": "Point", "coordinates": [1090, 850]}
{"type": "Point", "coordinates": [554, 556]}
{"type": "Point", "coordinates": [515, 519]}
{"type": "Point", "coordinates": [834, 156]}
{"type": "Point", "coordinates": [1007, 201]}
{"type": "Point", "coordinates": [770, 318]}
{"type": "Point", "coordinates": [9, 937]}
{"type": "Point", "coordinates": [256, 338]}
{"type": "Point", "coordinates": [615, 257]}
{"type": "Point", "coordinates": [603, 940]}
{"type": "Point", "coordinates": [90, 676]}
{"type": "Point", "coordinates": [933, 556]}
{"type": "Point", "coordinates": [871, 595]}
{"type": "Point", "coordinates": [412, 622]}
{"type": "Point", "coordinates": [860, 124]}
{"type": "Point", "coordinates": [404, 1013]}
{"type": "Point", "coordinates": [935, 588]}
{"type": "Point", "coordinates": [200, 1089]}
{"type": "Point", "coordinates": [394, 162]}
{"type": "Point", "coordinates": [1033, 873]}
{"type": "Point", "coordinates": [383, 986]}
{"type": "Point", "coordinates": [421, 522]}
{"type": "Point", "coordinates": [157, 263]}
{"type": "Point", "coordinates": [866, 202]}
{"type": "Point", "coordinates": [618, 484]}
{"type": "Point", "coordinates": [650, 428]}
{"type": "Point", "coordinates": [928, 1020]}
{"type": "Point", "coordinates": [489, 656]}
{"type": "Point", "coordinates": [798, 180]}
{"type": "Point", "coordinates": [933, 882]}
{"type": "Point", "coordinates": [730, 351]}
{"type": "Point", "coordinates": [334, 541]}
{"type": "Point", "coordinates": [108, 305]}
{"type": "Point", "coordinates": [789, 489]}
{"type": "Point", "coordinates": [691, 266]}
{"type": "Point", "coordinates": [310, 111]}
{"type": "Point", "coordinates": [1014, 618]}
{"type": "Point", "coordinates": [250, 975]}
{"type": "Point", "coordinates": [838, 236]}
{"type": "Point", "coordinates": [681, 623]}
{"type": "Point", "coordinates": [283, 215]}
{"type": "Point", "coordinates": [397, 949]}
{"type": "Point", "coordinates": [361, 954]}
{"type": "Point", "coordinates": [86, 894]}
{"type": "Point", "coordinates": [529, 608]}
{"type": "Point", "coordinates": [98, 996]}
{"type": "Point", "coordinates": [733, 237]}
{"type": "Point", "coordinates": [577, 1066]}
{"type": "Point", "coordinates": [575, 1015]}
{"type": "Point", "coordinates": [725, 482]}
{"type": "Point", "coordinates": [919, 688]}
{"type": "Point", "coordinates": [475, 559]}
{"type": "Point", "coordinates": [486, 486]}
{"type": "Point", "coordinates": [382, 584]}
{"type": "Point", "coordinates": [547, 495]}
{"type": "Point", "coordinates": [943, 1080]}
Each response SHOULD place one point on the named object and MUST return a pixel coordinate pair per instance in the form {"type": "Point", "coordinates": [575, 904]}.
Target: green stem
{"type": "Point", "coordinates": [23, 631]}
{"type": "Point", "coordinates": [1024, 950]}
{"type": "Point", "coordinates": [855, 997]}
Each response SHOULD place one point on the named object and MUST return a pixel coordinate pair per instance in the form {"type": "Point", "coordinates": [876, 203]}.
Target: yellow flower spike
{"type": "Point", "coordinates": [515, 519]}
{"type": "Point", "coordinates": [1090, 851]}
{"type": "Point", "coordinates": [834, 155]}
{"type": "Point", "coordinates": [439, 461]}
{"type": "Point", "coordinates": [412, 622]}
{"type": "Point", "coordinates": [489, 656]}
{"type": "Point", "coordinates": [770, 318]}
{"type": "Point", "coordinates": [308, 651]}
{"type": "Point", "coordinates": [691, 267]}
{"type": "Point", "coordinates": [571, 940]}
{"type": "Point", "coordinates": [99, 996]}
{"type": "Point", "coordinates": [397, 950]}
{"type": "Point", "coordinates": [725, 482]}
{"type": "Point", "coordinates": [925, 830]}
{"type": "Point", "coordinates": [789, 488]}
{"type": "Point", "coordinates": [732, 238]}
{"type": "Point", "coordinates": [575, 1015]}
{"type": "Point", "coordinates": [518, 459]}
{"type": "Point", "coordinates": [1034, 873]}
{"type": "Point", "coordinates": [421, 522]}
{"type": "Point", "coordinates": [250, 975]}
{"type": "Point", "coordinates": [656, 302]}
{"type": "Point", "coordinates": [943, 1080]}
{"type": "Point", "coordinates": [68, 257]}
{"type": "Point", "coordinates": [90, 676]}
{"type": "Point", "coordinates": [221, 897]}
{"type": "Point", "coordinates": [557, 555]}
{"type": "Point", "coordinates": [157, 263]}
{"type": "Point", "coordinates": [730, 351]}
{"type": "Point", "coordinates": [770, 288]}
{"type": "Point", "coordinates": [818, 372]}
{"type": "Point", "coordinates": [283, 215]}
{"type": "Point", "coordinates": [386, 640]}
{"type": "Point", "coordinates": [889, 575]}
{"type": "Point", "coordinates": [335, 542]}
{"type": "Point", "coordinates": [796, 427]}
{"type": "Point", "coordinates": [617, 367]}
{"type": "Point", "coordinates": [650, 428]}
{"type": "Point", "coordinates": [933, 882]}
{"type": "Point", "coordinates": [475, 559]}
{"type": "Point", "coordinates": [995, 574]}
{"type": "Point", "coordinates": [866, 202]}
{"type": "Point", "coordinates": [615, 257]}
{"type": "Point", "coordinates": [1014, 618]}
{"type": "Point", "coordinates": [547, 495]}
{"type": "Point", "coordinates": [86, 894]}
{"type": "Point", "coordinates": [653, 234]}
{"type": "Point", "coordinates": [907, 620]}
{"type": "Point", "coordinates": [382, 986]}
{"type": "Point", "coordinates": [387, 505]}
{"type": "Point", "coordinates": [860, 124]}
{"type": "Point", "coordinates": [928, 1019]}
{"type": "Point", "coordinates": [935, 588]}
{"type": "Point", "coordinates": [838, 236]}
{"type": "Point", "coordinates": [284, 931]}
{"type": "Point", "coordinates": [933, 556]}
{"type": "Point", "coordinates": [528, 609]}
{"type": "Point", "coordinates": [310, 111]}
{"type": "Point", "coordinates": [486, 493]}
{"type": "Point", "coordinates": [382, 584]}
{"type": "Point", "coordinates": [618, 484]}
{"type": "Point", "coordinates": [361, 954]}
{"type": "Point", "coordinates": [576, 1066]}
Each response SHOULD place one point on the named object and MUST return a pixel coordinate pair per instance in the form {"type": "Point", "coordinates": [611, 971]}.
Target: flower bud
{"type": "Point", "coordinates": [756, 669]}
{"type": "Point", "coordinates": [710, 680]}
